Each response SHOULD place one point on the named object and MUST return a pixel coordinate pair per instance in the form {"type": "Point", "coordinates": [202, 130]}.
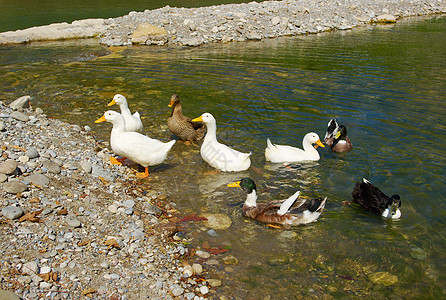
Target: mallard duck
{"type": "Point", "coordinates": [218, 155]}
{"type": "Point", "coordinates": [286, 154]}
{"type": "Point", "coordinates": [137, 147]}
{"type": "Point", "coordinates": [371, 198]}
{"type": "Point", "coordinates": [336, 137]}
{"type": "Point", "coordinates": [279, 211]}
{"type": "Point", "coordinates": [132, 122]}
{"type": "Point", "coordinates": [182, 126]}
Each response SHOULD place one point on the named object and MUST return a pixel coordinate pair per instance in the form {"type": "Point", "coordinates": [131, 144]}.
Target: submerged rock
{"type": "Point", "coordinates": [384, 278]}
{"type": "Point", "coordinates": [217, 221]}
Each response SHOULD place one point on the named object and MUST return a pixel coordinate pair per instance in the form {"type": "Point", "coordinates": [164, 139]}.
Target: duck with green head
{"type": "Point", "coordinates": [279, 211]}
{"type": "Point", "coordinates": [336, 137]}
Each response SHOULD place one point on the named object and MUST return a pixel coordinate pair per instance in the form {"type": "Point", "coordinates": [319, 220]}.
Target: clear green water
{"type": "Point", "coordinates": [386, 84]}
{"type": "Point", "coordinates": [21, 14]}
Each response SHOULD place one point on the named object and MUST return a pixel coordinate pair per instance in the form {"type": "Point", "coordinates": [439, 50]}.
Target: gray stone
{"type": "Point", "coordinates": [32, 153]}
{"type": "Point", "coordinates": [22, 102]}
{"type": "Point", "coordinates": [38, 179]}
{"type": "Point", "coordinates": [39, 111]}
{"type": "Point", "coordinates": [8, 167]}
{"type": "Point", "coordinates": [2, 126]}
{"type": "Point", "coordinates": [14, 187]}
{"type": "Point", "coordinates": [20, 116]}
{"type": "Point", "coordinates": [51, 166]}
{"type": "Point", "coordinates": [12, 212]}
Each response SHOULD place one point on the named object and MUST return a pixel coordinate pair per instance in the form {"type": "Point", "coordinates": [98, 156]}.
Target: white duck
{"type": "Point", "coordinates": [218, 155]}
{"type": "Point", "coordinates": [132, 122]}
{"type": "Point", "coordinates": [137, 147]}
{"type": "Point", "coordinates": [286, 154]}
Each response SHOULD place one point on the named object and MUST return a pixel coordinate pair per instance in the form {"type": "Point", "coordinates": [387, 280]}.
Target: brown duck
{"type": "Point", "coordinates": [182, 126]}
{"type": "Point", "coordinates": [279, 211]}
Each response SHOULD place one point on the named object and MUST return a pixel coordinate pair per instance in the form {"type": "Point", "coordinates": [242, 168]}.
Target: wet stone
{"type": "Point", "coordinates": [384, 278]}
{"type": "Point", "coordinates": [12, 212]}
{"type": "Point", "coordinates": [278, 260]}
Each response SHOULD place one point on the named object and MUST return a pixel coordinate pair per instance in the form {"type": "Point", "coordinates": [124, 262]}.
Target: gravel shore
{"type": "Point", "coordinates": [73, 225]}
{"type": "Point", "coordinates": [229, 22]}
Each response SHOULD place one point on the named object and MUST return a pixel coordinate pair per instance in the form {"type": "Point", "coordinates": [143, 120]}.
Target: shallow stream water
{"type": "Point", "coordinates": [386, 84]}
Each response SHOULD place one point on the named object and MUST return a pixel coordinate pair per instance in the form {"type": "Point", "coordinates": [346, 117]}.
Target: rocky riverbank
{"type": "Point", "coordinates": [230, 22]}
{"type": "Point", "coordinates": [74, 225]}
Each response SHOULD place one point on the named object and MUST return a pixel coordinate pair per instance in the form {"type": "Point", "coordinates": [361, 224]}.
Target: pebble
{"type": "Point", "coordinates": [197, 269]}
{"type": "Point", "coordinates": [12, 212]}
{"type": "Point", "coordinates": [22, 102]}
{"type": "Point", "coordinates": [202, 254]}
{"type": "Point", "coordinates": [38, 179]}
{"type": "Point", "coordinates": [73, 222]}
{"type": "Point", "coordinates": [30, 267]}
{"type": "Point", "coordinates": [19, 116]}
{"type": "Point", "coordinates": [86, 166]}
{"type": "Point", "coordinates": [51, 166]}
{"type": "Point", "coordinates": [32, 153]}
{"type": "Point", "coordinates": [8, 167]}
{"type": "Point", "coordinates": [14, 187]}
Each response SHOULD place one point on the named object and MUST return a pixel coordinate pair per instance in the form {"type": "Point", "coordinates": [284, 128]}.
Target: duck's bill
{"type": "Point", "coordinates": [101, 119]}
{"type": "Point", "coordinates": [199, 119]}
{"type": "Point", "coordinates": [319, 143]}
{"type": "Point", "coordinates": [171, 103]}
{"type": "Point", "coordinates": [234, 184]}
{"type": "Point", "coordinates": [113, 102]}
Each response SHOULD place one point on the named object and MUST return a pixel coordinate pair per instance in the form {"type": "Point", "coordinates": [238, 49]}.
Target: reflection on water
{"type": "Point", "coordinates": [385, 84]}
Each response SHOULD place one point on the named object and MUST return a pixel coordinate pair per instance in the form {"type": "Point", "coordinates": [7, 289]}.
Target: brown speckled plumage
{"type": "Point", "coordinates": [182, 126]}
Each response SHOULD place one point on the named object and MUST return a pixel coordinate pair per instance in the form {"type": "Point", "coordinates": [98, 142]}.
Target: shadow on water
{"type": "Point", "coordinates": [385, 84]}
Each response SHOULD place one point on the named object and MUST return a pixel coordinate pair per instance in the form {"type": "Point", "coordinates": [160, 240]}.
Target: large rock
{"type": "Point", "coordinates": [22, 102]}
{"type": "Point", "coordinates": [59, 31]}
{"type": "Point", "coordinates": [146, 33]}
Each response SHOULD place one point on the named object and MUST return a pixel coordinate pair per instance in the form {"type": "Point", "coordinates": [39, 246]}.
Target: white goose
{"type": "Point", "coordinates": [286, 154]}
{"type": "Point", "coordinates": [218, 155]}
{"type": "Point", "coordinates": [132, 122]}
{"type": "Point", "coordinates": [137, 147]}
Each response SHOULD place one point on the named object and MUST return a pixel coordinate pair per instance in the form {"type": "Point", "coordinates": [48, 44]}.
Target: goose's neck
{"type": "Point", "coordinates": [118, 127]}
{"type": "Point", "coordinates": [251, 199]}
{"type": "Point", "coordinates": [125, 111]}
{"type": "Point", "coordinates": [211, 134]}
{"type": "Point", "coordinates": [308, 147]}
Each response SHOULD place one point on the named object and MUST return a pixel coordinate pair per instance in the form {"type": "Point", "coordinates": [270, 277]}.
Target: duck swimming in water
{"type": "Point", "coordinates": [371, 198]}
{"type": "Point", "coordinates": [279, 211]}
{"type": "Point", "coordinates": [182, 126]}
{"type": "Point", "coordinates": [336, 137]}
